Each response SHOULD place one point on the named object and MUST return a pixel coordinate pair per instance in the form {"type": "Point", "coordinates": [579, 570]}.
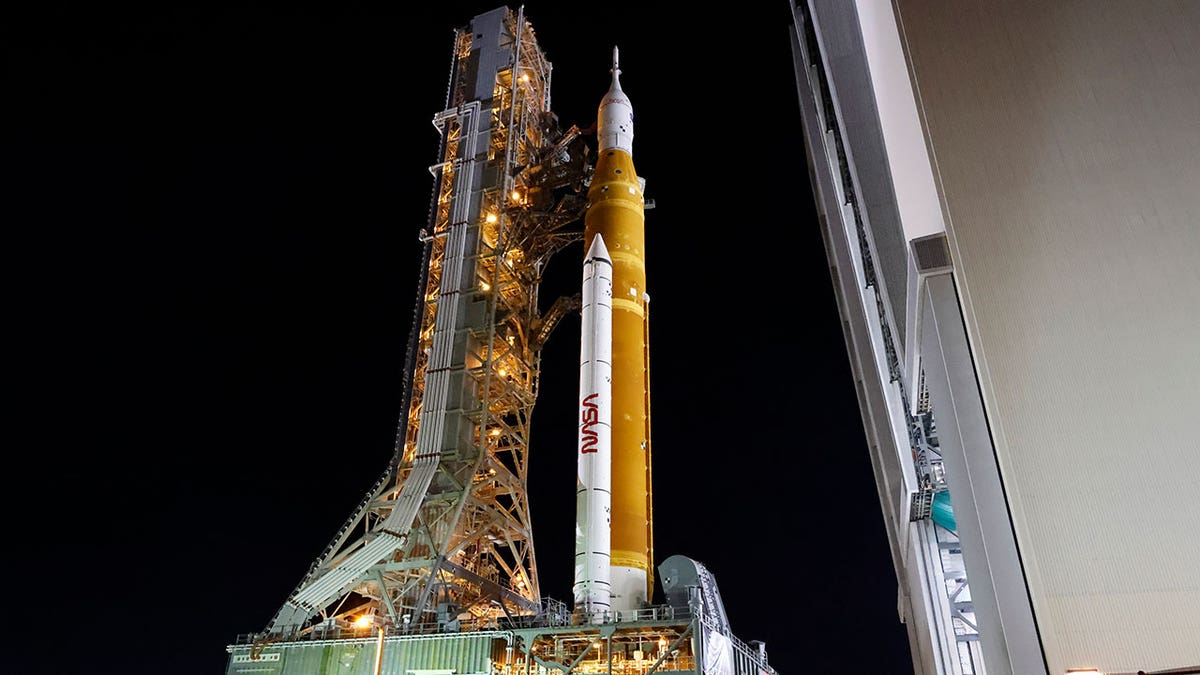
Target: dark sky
{"type": "Point", "coordinates": [212, 213]}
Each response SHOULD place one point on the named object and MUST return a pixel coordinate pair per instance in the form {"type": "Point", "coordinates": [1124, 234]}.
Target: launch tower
{"type": "Point", "coordinates": [443, 536]}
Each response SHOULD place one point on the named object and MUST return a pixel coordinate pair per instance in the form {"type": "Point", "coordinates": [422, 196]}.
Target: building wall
{"type": "Point", "coordinates": [920, 604]}
{"type": "Point", "coordinates": [1066, 146]}
{"type": "Point", "coordinates": [850, 82]}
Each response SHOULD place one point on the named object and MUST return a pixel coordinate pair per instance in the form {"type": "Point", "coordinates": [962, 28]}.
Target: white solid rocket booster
{"type": "Point", "coordinates": [593, 490]}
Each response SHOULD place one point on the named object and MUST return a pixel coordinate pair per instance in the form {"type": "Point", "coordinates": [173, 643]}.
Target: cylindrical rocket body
{"type": "Point", "coordinates": [593, 485]}
{"type": "Point", "coordinates": [616, 213]}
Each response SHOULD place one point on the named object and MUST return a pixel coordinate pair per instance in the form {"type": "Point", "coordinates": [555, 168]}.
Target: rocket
{"type": "Point", "coordinates": [615, 224]}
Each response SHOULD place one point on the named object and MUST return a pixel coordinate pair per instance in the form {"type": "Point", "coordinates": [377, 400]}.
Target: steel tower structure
{"type": "Point", "coordinates": [443, 536]}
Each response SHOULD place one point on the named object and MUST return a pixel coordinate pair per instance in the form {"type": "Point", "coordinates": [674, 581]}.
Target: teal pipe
{"type": "Point", "coordinates": [942, 513]}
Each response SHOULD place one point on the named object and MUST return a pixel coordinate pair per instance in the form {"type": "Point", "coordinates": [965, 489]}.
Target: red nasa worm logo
{"type": "Point", "coordinates": [590, 416]}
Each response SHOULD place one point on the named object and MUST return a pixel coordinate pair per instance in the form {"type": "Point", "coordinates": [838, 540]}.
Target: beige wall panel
{"type": "Point", "coordinates": [1066, 143]}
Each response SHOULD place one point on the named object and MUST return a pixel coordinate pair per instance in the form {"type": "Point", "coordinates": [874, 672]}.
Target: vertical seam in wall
{"type": "Point", "coordinates": [987, 420]}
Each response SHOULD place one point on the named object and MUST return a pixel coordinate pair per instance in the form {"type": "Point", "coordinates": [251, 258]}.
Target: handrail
{"type": "Point", "coordinates": [550, 617]}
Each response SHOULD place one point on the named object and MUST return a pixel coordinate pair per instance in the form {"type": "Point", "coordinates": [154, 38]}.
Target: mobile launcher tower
{"type": "Point", "coordinates": [434, 571]}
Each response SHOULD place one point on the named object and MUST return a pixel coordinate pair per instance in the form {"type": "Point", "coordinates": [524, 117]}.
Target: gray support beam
{"type": "Point", "coordinates": [998, 588]}
{"type": "Point", "coordinates": [384, 598]}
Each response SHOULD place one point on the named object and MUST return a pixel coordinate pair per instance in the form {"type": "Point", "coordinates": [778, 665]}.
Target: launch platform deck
{"type": "Point", "coordinates": [664, 639]}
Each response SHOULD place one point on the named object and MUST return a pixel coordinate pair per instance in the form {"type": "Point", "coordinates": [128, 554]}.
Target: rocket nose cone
{"type": "Point", "coordinates": [615, 116]}
{"type": "Point", "coordinates": [597, 249]}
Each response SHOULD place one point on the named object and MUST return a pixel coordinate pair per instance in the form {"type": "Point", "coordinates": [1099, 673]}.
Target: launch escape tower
{"type": "Point", "coordinates": [434, 573]}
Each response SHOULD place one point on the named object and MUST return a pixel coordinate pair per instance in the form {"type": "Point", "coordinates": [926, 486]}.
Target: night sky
{"type": "Point", "coordinates": [212, 214]}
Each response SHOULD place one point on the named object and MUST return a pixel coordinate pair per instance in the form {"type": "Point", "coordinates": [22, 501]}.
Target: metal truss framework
{"type": "Point", "coordinates": [958, 594]}
{"type": "Point", "coordinates": [950, 568]}
{"type": "Point", "coordinates": [444, 534]}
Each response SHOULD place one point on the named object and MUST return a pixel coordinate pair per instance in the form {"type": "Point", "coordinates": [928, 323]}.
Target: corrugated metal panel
{"type": "Point", "coordinates": [1068, 152]}
{"type": "Point", "coordinates": [351, 658]}
{"type": "Point", "coordinates": [463, 655]}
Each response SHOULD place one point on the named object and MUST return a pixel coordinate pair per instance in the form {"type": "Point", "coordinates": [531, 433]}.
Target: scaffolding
{"type": "Point", "coordinates": [443, 537]}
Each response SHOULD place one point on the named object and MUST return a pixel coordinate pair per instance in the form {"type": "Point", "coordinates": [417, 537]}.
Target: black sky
{"type": "Point", "coordinates": [212, 213]}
